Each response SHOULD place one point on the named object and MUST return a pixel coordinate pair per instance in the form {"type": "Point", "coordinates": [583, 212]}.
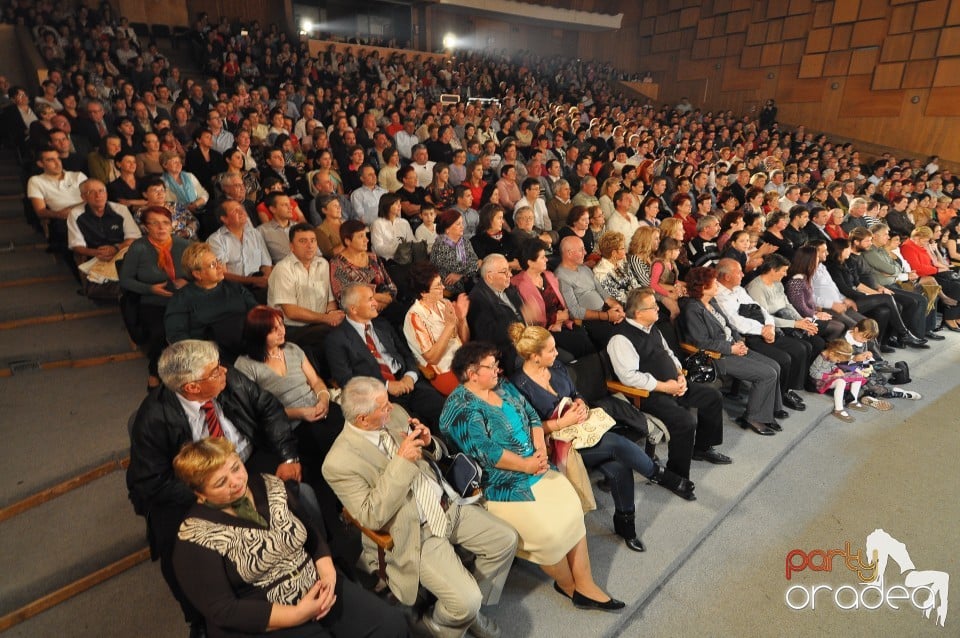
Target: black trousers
{"type": "Point", "coordinates": [882, 308]}
{"type": "Point", "coordinates": [913, 309]}
{"type": "Point", "coordinates": [793, 355]}
{"type": "Point", "coordinates": [686, 432]}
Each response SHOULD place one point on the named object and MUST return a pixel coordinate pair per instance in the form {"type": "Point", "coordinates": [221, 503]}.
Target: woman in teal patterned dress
{"type": "Point", "coordinates": [490, 420]}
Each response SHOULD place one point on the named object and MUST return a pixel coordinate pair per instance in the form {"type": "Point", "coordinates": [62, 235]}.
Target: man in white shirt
{"type": "Point", "coordinates": [794, 356]}
{"type": "Point", "coordinates": [641, 359]}
{"type": "Point", "coordinates": [422, 166]}
{"type": "Point", "coordinates": [300, 288]}
{"type": "Point", "coordinates": [405, 139]}
{"type": "Point", "coordinates": [53, 194]}
{"type": "Point", "coordinates": [366, 199]}
{"type": "Point", "coordinates": [241, 249]}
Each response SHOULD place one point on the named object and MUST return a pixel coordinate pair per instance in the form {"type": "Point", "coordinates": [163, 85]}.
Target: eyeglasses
{"type": "Point", "coordinates": [646, 308]}
{"type": "Point", "coordinates": [214, 265]}
{"type": "Point", "coordinates": [218, 372]}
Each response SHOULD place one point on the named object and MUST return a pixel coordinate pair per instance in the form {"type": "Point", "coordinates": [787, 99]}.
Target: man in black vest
{"type": "Point", "coordinates": [641, 359]}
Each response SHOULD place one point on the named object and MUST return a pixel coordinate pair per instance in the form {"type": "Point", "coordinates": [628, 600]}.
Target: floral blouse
{"type": "Point", "coordinates": [343, 273]}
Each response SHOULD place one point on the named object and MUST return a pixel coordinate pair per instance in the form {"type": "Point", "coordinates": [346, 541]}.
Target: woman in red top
{"type": "Point", "coordinates": [914, 250]}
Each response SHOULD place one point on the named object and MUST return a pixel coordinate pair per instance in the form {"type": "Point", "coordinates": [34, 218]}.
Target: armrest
{"type": "Point", "coordinates": [383, 540]}
{"type": "Point", "coordinates": [633, 393]}
{"type": "Point", "coordinates": [692, 349]}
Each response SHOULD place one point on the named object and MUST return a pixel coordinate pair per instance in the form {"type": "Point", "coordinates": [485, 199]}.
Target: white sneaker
{"type": "Point", "coordinates": [900, 393]}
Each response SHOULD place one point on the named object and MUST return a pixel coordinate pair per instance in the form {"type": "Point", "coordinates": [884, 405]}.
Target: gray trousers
{"type": "Point", "coordinates": [763, 373]}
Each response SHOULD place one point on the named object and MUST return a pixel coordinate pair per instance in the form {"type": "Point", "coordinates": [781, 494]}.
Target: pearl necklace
{"type": "Point", "coordinates": [278, 356]}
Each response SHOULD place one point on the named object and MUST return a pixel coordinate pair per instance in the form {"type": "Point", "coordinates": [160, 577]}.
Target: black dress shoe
{"type": "Point", "coordinates": [931, 335]}
{"type": "Point", "coordinates": [557, 587]}
{"type": "Point", "coordinates": [793, 401]}
{"type": "Point", "coordinates": [756, 426]}
{"type": "Point", "coordinates": [885, 349]}
{"type": "Point", "coordinates": [896, 341]}
{"type": "Point", "coordinates": [710, 455]}
{"type": "Point", "coordinates": [780, 414]}
{"type": "Point", "coordinates": [914, 341]}
{"type": "Point", "coordinates": [582, 602]}
{"type": "Point", "coordinates": [773, 425]}
{"type": "Point", "coordinates": [635, 544]}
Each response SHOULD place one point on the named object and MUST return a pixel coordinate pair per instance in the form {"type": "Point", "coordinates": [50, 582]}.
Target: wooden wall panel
{"type": "Point", "coordinates": [868, 33]}
{"type": "Point", "coordinates": [943, 102]}
{"type": "Point", "coordinates": [863, 61]}
{"type": "Point", "coordinates": [930, 15]}
{"type": "Point", "coordinates": [845, 11]}
{"type": "Point", "coordinates": [869, 49]}
{"type": "Point", "coordinates": [901, 18]}
{"type": "Point", "coordinates": [953, 14]}
{"type": "Point", "coordinates": [919, 74]}
{"type": "Point", "coordinates": [860, 101]}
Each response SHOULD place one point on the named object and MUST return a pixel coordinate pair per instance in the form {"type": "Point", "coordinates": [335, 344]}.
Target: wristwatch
{"type": "Point", "coordinates": [295, 459]}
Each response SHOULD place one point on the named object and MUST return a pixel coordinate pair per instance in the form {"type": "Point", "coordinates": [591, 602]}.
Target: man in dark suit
{"type": "Point", "coordinates": [494, 305]}
{"type": "Point", "coordinates": [96, 125]}
{"type": "Point", "coordinates": [200, 398]}
{"type": "Point", "coordinates": [367, 346]}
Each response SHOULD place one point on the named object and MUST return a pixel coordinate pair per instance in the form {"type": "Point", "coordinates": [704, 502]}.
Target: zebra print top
{"type": "Point", "coordinates": [271, 559]}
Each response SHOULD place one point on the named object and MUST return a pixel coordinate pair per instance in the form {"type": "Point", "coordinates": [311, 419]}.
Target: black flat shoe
{"type": "Point", "coordinates": [885, 349]}
{"type": "Point", "coordinates": [951, 328]}
{"type": "Point", "coordinates": [756, 426]}
{"type": "Point", "coordinates": [934, 336]}
{"type": "Point", "coordinates": [780, 414]}
{"type": "Point", "coordinates": [710, 455]}
{"type": "Point", "coordinates": [582, 602]}
{"type": "Point", "coordinates": [773, 425]}
{"type": "Point", "coordinates": [559, 590]}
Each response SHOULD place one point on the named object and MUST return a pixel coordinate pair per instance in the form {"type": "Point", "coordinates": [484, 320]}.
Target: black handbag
{"type": "Point", "coordinates": [458, 474]}
{"type": "Point", "coordinates": [700, 368]}
{"type": "Point", "coordinates": [410, 252]}
{"type": "Point", "coordinates": [752, 311]}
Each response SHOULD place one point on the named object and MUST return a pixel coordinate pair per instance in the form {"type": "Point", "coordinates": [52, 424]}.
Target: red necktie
{"type": "Point", "coordinates": [101, 129]}
{"type": "Point", "coordinates": [385, 371]}
{"type": "Point", "coordinates": [211, 419]}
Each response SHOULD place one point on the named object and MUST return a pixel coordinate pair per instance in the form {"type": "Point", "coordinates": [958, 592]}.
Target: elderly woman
{"type": "Point", "coordinates": [208, 307]}
{"type": "Point", "coordinates": [185, 224]}
{"type": "Point", "coordinates": [544, 382]}
{"type": "Point", "coordinates": [182, 187]}
{"type": "Point", "coordinates": [705, 327]}
{"type": "Point", "coordinates": [253, 563]}
{"type": "Point", "coordinates": [152, 269]}
{"type": "Point", "coordinates": [434, 327]}
{"type": "Point", "coordinates": [453, 255]}
{"type": "Point", "coordinates": [357, 265]}
{"type": "Point", "coordinates": [613, 272]}
{"type": "Point", "coordinates": [491, 421]}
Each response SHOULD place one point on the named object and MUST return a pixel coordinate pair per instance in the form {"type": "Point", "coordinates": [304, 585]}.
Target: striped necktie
{"type": "Point", "coordinates": [426, 498]}
{"type": "Point", "coordinates": [211, 420]}
{"type": "Point", "coordinates": [385, 371]}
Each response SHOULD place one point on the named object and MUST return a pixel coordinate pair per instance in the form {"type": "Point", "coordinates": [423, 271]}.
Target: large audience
{"type": "Point", "coordinates": [290, 234]}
